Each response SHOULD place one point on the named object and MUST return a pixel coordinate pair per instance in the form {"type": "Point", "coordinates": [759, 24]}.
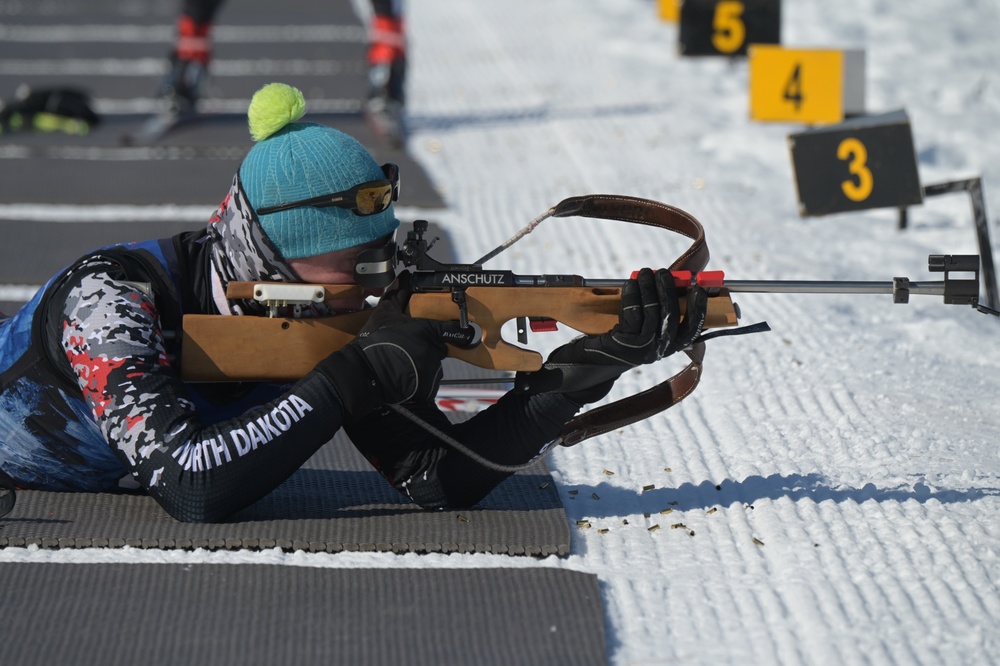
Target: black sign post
{"type": "Point", "coordinates": [974, 186]}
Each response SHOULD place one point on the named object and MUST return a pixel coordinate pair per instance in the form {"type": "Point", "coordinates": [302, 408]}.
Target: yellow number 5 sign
{"type": "Point", "coordinates": [812, 86]}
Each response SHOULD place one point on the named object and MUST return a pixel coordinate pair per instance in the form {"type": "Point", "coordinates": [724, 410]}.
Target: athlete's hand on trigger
{"type": "Point", "coordinates": [395, 358]}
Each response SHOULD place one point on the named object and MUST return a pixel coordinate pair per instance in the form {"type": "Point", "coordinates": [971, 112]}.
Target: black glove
{"type": "Point", "coordinates": [649, 329]}
{"type": "Point", "coordinates": [394, 358]}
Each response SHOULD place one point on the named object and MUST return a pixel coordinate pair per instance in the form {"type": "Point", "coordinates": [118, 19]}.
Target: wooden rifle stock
{"type": "Point", "coordinates": [251, 348]}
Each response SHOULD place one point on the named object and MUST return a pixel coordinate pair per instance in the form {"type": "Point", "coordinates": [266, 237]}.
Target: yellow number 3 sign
{"type": "Point", "coordinates": [855, 154]}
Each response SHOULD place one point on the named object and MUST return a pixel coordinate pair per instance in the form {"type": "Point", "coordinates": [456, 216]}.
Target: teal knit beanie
{"type": "Point", "coordinates": [293, 161]}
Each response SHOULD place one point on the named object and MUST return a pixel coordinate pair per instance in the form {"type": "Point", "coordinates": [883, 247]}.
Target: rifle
{"type": "Point", "coordinates": [284, 347]}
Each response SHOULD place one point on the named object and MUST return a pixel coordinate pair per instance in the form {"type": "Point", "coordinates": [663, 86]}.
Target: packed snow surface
{"type": "Point", "coordinates": [830, 494]}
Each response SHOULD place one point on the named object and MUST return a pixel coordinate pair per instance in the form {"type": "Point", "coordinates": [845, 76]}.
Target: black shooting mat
{"type": "Point", "coordinates": [224, 614]}
{"type": "Point", "coordinates": [335, 503]}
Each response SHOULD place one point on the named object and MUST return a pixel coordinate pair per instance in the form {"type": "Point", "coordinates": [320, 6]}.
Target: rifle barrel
{"type": "Point", "coordinates": [807, 286]}
{"type": "Point", "coordinates": [829, 287]}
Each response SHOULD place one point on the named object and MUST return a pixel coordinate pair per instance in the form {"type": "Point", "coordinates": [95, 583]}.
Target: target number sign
{"type": "Point", "coordinates": [812, 86]}
{"type": "Point", "coordinates": [727, 27]}
{"type": "Point", "coordinates": [866, 162]}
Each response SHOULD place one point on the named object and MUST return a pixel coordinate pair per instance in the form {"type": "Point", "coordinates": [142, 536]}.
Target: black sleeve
{"type": "Point", "coordinates": [110, 334]}
{"type": "Point", "coordinates": [517, 429]}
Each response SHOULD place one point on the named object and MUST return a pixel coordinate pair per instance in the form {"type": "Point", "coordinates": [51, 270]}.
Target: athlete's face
{"type": "Point", "coordinates": [336, 268]}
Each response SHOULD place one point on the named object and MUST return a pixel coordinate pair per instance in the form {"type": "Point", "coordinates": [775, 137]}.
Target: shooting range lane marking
{"type": "Point", "coordinates": [18, 293]}
{"type": "Point", "coordinates": [28, 212]}
{"type": "Point", "coordinates": [145, 34]}
{"type": "Point", "coordinates": [235, 105]}
{"type": "Point", "coordinates": [159, 66]}
{"type": "Point", "coordinates": [123, 154]}
{"type": "Point", "coordinates": [25, 212]}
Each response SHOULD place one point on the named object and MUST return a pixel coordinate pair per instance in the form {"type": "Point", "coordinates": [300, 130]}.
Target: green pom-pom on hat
{"type": "Point", "coordinates": [272, 108]}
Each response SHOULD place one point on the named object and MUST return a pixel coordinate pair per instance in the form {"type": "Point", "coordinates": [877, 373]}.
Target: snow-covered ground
{"type": "Point", "coordinates": [837, 479]}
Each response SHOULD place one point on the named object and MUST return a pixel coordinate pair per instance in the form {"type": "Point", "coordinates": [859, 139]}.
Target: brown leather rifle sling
{"type": "Point", "coordinates": [654, 400]}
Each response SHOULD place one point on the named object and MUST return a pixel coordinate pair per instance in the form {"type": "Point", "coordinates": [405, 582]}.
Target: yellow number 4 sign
{"type": "Point", "coordinates": [813, 86]}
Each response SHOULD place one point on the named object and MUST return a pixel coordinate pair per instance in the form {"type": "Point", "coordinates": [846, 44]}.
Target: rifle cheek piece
{"type": "Point", "coordinates": [376, 268]}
